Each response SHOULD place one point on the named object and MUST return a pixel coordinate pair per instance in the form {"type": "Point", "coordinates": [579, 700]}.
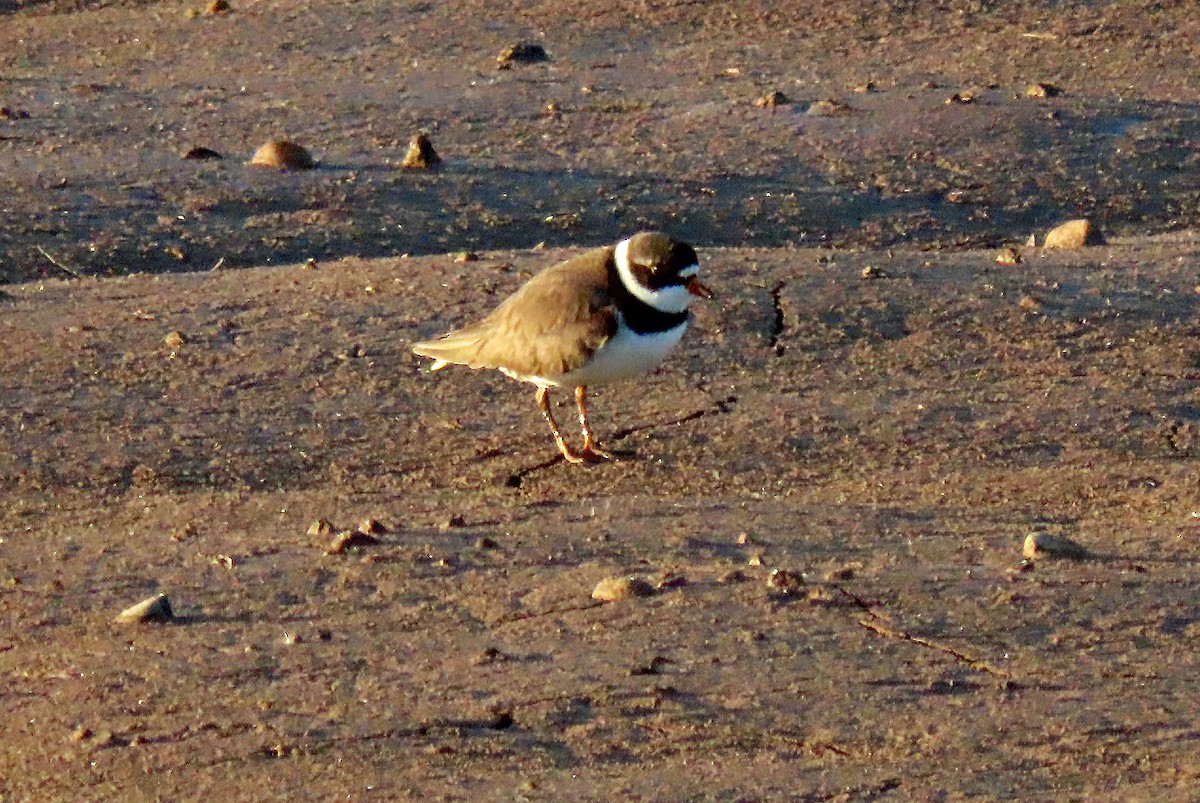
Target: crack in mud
{"type": "Point", "coordinates": [521, 617]}
{"type": "Point", "coordinates": [875, 624]}
{"type": "Point", "coordinates": [974, 663]}
{"type": "Point", "coordinates": [720, 407]}
{"type": "Point", "coordinates": [865, 792]}
{"type": "Point", "coordinates": [778, 327]}
{"type": "Point", "coordinates": [859, 602]}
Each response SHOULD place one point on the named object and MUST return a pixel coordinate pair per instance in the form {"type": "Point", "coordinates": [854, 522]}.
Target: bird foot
{"type": "Point", "coordinates": [589, 454]}
{"type": "Point", "coordinates": [594, 453]}
{"type": "Point", "coordinates": [569, 455]}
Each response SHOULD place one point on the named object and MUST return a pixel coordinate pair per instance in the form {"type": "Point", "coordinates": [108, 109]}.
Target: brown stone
{"type": "Point", "coordinates": [521, 53]}
{"type": "Point", "coordinates": [421, 155]}
{"type": "Point", "coordinates": [1008, 256]}
{"type": "Point", "coordinates": [1041, 90]}
{"type": "Point", "coordinates": [201, 153]}
{"type": "Point", "coordinates": [1073, 234]}
{"type": "Point", "coordinates": [611, 589]}
{"type": "Point", "coordinates": [351, 539]}
{"type": "Point", "coordinates": [1049, 545]}
{"type": "Point", "coordinates": [153, 609]}
{"type": "Point", "coordinates": [283, 155]}
{"type": "Point", "coordinates": [321, 528]}
{"type": "Point", "coordinates": [773, 98]}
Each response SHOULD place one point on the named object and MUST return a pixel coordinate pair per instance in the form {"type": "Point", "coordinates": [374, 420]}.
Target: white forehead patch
{"type": "Point", "coordinates": [689, 271]}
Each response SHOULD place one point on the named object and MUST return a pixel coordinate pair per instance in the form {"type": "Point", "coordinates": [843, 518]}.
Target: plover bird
{"type": "Point", "coordinates": [608, 314]}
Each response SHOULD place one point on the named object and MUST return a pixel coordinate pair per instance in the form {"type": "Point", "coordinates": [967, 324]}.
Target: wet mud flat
{"type": "Point", "coordinates": [731, 124]}
{"type": "Point", "coordinates": [824, 497]}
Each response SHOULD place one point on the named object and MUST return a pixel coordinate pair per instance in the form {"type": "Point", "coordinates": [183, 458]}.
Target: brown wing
{"type": "Point", "coordinates": [548, 327]}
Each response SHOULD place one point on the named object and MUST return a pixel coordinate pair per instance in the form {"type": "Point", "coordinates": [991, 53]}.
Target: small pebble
{"type": "Point", "coordinates": [351, 539]}
{"type": "Point", "coordinates": [501, 720]}
{"type": "Point", "coordinates": [1073, 234]}
{"type": "Point", "coordinates": [1049, 545]}
{"type": "Point", "coordinates": [872, 272]}
{"type": "Point", "coordinates": [105, 738]}
{"type": "Point", "coordinates": [321, 528]}
{"type": "Point", "coordinates": [421, 155]}
{"type": "Point", "coordinates": [651, 668]}
{"type": "Point", "coordinates": [670, 580]}
{"type": "Point", "coordinates": [847, 572]}
{"type": "Point", "coordinates": [371, 527]}
{"type": "Point", "coordinates": [521, 53]}
{"type": "Point", "coordinates": [781, 581]}
{"type": "Point", "coordinates": [611, 589]}
{"type": "Point", "coordinates": [174, 340]}
{"type": "Point", "coordinates": [201, 154]}
{"type": "Point", "coordinates": [489, 656]}
{"type": "Point", "coordinates": [484, 542]}
{"type": "Point", "coordinates": [732, 576]}
{"type": "Point", "coordinates": [1029, 303]}
{"type": "Point", "coordinates": [828, 108]}
{"type": "Point", "coordinates": [773, 98]}
{"type": "Point", "coordinates": [455, 520]}
{"type": "Point", "coordinates": [1041, 91]}
{"type": "Point", "coordinates": [153, 609]}
{"type": "Point", "coordinates": [818, 595]}
{"type": "Point", "coordinates": [1008, 256]}
{"type": "Point", "coordinates": [283, 155]}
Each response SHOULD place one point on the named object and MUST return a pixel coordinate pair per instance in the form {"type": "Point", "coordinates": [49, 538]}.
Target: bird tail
{"type": "Point", "coordinates": [455, 348]}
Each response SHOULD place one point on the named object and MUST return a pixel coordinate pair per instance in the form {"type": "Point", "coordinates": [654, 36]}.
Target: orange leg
{"type": "Point", "coordinates": [543, 401]}
{"type": "Point", "coordinates": [590, 450]}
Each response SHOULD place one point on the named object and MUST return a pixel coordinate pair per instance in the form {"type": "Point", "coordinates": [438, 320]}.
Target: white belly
{"type": "Point", "coordinates": [625, 356]}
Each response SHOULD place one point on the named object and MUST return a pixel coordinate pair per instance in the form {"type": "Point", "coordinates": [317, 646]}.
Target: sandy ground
{"type": "Point", "coordinates": [872, 406]}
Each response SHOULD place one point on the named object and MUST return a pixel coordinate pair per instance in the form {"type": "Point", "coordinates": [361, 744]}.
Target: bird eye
{"type": "Point", "coordinates": [643, 274]}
